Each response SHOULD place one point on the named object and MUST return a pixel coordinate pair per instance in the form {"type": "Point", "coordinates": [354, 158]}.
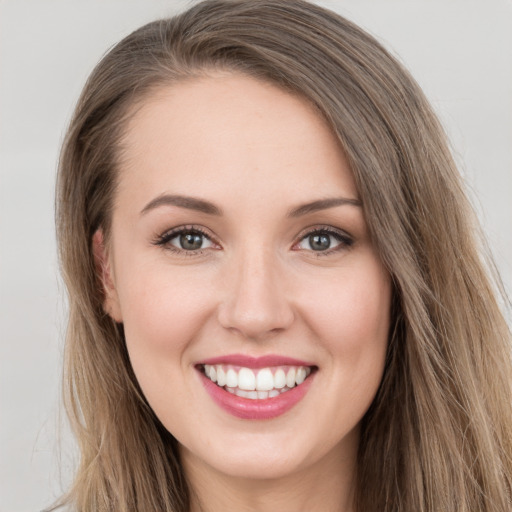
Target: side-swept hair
{"type": "Point", "coordinates": [438, 436]}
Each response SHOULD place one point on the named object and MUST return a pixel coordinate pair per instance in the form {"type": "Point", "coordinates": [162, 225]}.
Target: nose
{"type": "Point", "coordinates": [255, 303]}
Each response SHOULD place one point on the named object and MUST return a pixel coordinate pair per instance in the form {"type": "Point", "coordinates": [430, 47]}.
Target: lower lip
{"type": "Point", "coordinates": [263, 409]}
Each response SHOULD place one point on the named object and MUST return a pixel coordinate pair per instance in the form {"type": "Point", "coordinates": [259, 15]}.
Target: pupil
{"type": "Point", "coordinates": [191, 241]}
{"type": "Point", "coordinates": [319, 242]}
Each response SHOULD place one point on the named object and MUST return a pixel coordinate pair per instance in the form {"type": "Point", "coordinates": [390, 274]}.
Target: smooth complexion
{"type": "Point", "coordinates": [224, 184]}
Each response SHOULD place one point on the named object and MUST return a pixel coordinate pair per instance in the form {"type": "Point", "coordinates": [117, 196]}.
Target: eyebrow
{"type": "Point", "coordinates": [191, 203]}
{"type": "Point", "coordinates": [323, 204]}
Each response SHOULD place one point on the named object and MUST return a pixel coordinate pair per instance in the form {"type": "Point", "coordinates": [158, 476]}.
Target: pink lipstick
{"type": "Point", "coordinates": [256, 387]}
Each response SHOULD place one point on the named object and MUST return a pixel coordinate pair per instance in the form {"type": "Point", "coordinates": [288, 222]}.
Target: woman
{"type": "Point", "coordinates": [276, 293]}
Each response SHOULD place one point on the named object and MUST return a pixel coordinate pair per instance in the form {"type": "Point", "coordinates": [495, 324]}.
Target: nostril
{"type": "Point", "coordinates": [254, 321]}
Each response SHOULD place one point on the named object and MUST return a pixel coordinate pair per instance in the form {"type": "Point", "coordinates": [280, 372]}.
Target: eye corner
{"type": "Point", "coordinates": [343, 241]}
{"type": "Point", "coordinates": [196, 234]}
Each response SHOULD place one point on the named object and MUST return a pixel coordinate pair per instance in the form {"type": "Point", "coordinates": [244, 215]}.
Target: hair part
{"type": "Point", "coordinates": [438, 435]}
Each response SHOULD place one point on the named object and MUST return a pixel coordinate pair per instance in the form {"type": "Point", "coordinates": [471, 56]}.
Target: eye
{"type": "Point", "coordinates": [324, 240]}
{"type": "Point", "coordinates": [185, 240]}
{"type": "Point", "coordinates": [191, 241]}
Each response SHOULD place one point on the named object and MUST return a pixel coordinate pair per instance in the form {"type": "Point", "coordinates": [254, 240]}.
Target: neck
{"type": "Point", "coordinates": [327, 485]}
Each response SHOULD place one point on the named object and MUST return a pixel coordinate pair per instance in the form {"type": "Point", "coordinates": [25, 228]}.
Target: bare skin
{"type": "Point", "coordinates": [282, 265]}
{"type": "Point", "coordinates": [304, 491]}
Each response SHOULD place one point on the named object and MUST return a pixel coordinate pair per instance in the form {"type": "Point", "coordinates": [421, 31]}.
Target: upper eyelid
{"type": "Point", "coordinates": [323, 228]}
{"type": "Point", "coordinates": [168, 235]}
{"type": "Point", "coordinates": [346, 240]}
{"type": "Point", "coordinates": [188, 228]}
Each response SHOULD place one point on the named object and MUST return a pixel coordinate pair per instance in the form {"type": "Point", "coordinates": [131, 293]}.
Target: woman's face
{"type": "Point", "coordinates": [239, 250]}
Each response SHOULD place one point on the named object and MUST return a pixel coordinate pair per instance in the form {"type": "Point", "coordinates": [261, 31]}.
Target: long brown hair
{"type": "Point", "coordinates": [438, 436]}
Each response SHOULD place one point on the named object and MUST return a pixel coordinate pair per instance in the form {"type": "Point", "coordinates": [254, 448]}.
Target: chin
{"type": "Point", "coordinates": [268, 455]}
{"type": "Point", "coordinates": [260, 466]}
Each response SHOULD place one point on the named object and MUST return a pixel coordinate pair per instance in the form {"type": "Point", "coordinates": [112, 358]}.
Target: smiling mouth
{"type": "Point", "coordinates": [256, 384]}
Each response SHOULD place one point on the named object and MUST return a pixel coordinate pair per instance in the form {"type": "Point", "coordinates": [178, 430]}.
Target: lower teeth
{"type": "Point", "coordinates": [256, 395]}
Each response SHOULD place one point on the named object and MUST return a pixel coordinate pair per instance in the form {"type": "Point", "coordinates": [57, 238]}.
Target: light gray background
{"type": "Point", "coordinates": [460, 51]}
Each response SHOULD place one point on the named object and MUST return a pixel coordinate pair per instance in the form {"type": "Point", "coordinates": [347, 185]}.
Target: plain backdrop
{"type": "Point", "coordinates": [460, 51]}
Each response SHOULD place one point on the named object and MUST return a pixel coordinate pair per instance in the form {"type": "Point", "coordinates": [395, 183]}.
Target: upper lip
{"type": "Point", "coordinates": [255, 362]}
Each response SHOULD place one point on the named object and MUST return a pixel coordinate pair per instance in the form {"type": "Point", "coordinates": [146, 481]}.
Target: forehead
{"type": "Point", "coordinates": [231, 130]}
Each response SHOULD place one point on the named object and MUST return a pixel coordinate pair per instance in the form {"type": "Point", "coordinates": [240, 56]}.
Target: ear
{"type": "Point", "coordinates": [106, 278]}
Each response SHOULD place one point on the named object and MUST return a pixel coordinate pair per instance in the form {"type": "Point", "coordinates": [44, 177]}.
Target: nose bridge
{"type": "Point", "coordinates": [256, 304]}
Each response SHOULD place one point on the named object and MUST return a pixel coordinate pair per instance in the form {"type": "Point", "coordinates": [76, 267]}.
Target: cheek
{"type": "Point", "coordinates": [162, 313]}
{"type": "Point", "coordinates": [350, 313]}
{"type": "Point", "coordinates": [354, 307]}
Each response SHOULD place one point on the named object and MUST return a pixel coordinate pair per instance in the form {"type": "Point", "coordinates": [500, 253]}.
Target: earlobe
{"type": "Point", "coordinates": [105, 277]}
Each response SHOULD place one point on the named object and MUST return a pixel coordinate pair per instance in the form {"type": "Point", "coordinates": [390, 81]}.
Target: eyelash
{"type": "Point", "coordinates": [345, 240]}
{"type": "Point", "coordinates": [165, 239]}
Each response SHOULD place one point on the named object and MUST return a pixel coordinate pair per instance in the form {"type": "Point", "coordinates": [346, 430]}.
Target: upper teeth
{"type": "Point", "coordinates": [264, 379]}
